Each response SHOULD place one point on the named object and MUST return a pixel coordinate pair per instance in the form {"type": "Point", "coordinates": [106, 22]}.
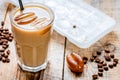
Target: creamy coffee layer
{"type": "Point", "coordinates": [32, 34]}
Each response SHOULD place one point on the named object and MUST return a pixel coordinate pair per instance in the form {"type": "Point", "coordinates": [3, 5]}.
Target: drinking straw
{"type": "Point", "coordinates": [21, 5]}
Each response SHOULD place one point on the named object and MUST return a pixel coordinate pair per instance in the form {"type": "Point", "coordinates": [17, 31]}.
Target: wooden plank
{"type": "Point", "coordinates": [110, 8]}
{"type": "Point", "coordinates": [55, 58]}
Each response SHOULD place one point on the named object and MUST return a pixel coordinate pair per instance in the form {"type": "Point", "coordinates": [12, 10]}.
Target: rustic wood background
{"type": "Point", "coordinates": [57, 68]}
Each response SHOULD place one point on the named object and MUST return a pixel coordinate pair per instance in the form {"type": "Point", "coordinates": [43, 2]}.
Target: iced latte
{"type": "Point", "coordinates": [32, 29]}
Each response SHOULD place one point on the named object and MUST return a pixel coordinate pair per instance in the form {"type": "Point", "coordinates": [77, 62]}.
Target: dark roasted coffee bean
{"type": "Point", "coordinates": [95, 76]}
{"type": "Point", "coordinates": [8, 52]}
{"type": "Point", "coordinates": [104, 64]}
{"type": "Point", "coordinates": [110, 66]}
{"type": "Point", "coordinates": [85, 58]}
{"type": "Point", "coordinates": [91, 59]}
{"type": "Point", "coordinates": [5, 46]}
{"type": "Point", "coordinates": [107, 57]}
{"type": "Point", "coordinates": [10, 39]}
{"type": "Point", "coordinates": [100, 74]}
{"type": "Point", "coordinates": [94, 56]}
{"type": "Point", "coordinates": [112, 55]}
{"type": "Point", "coordinates": [3, 60]}
{"type": "Point", "coordinates": [114, 64]}
{"type": "Point", "coordinates": [100, 69]}
{"type": "Point", "coordinates": [115, 60]}
{"type": "Point", "coordinates": [97, 60]}
{"type": "Point", "coordinates": [100, 65]}
{"type": "Point", "coordinates": [2, 50]}
{"type": "Point", "coordinates": [107, 50]}
{"type": "Point", "coordinates": [101, 62]}
{"type": "Point", "coordinates": [99, 51]}
{"type": "Point", "coordinates": [85, 61]}
{"type": "Point", "coordinates": [6, 55]}
{"type": "Point", "coordinates": [7, 60]}
{"type": "Point", "coordinates": [2, 54]}
{"type": "Point", "coordinates": [2, 23]}
{"type": "Point", "coordinates": [105, 68]}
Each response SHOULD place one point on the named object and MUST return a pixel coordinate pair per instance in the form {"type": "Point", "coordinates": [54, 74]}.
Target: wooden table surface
{"type": "Point", "coordinates": [57, 67]}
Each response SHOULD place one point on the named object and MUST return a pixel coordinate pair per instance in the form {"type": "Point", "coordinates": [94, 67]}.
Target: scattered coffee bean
{"type": "Point", "coordinates": [8, 52]}
{"type": "Point", "coordinates": [94, 56]}
{"type": "Point", "coordinates": [3, 60]}
{"type": "Point", "coordinates": [115, 60]}
{"type": "Point", "coordinates": [91, 59]}
{"type": "Point", "coordinates": [95, 76]}
{"type": "Point", "coordinates": [6, 55]}
{"type": "Point", "coordinates": [74, 26]}
{"type": "Point", "coordinates": [112, 55]}
{"type": "Point", "coordinates": [100, 65]}
{"type": "Point", "coordinates": [107, 57]}
{"type": "Point", "coordinates": [107, 50]}
{"type": "Point", "coordinates": [101, 62]}
{"type": "Point", "coordinates": [85, 61]}
{"type": "Point", "coordinates": [2, 50]}
{"type": "Point", "coordinates": [100, 69]}
{"type": "Point", "coordinates": [99, 51]}
{"type": "Point", "coordinates": [110, 66]}
{"type": "Point", "coordinates": [2, 23]}
{"type": "Point", "coordinates": [2, 54]}
{"type": "Point", "coordinates": [97, 60]}
{"type": "Point", "coordinates": [100, 74]}
{"type": "Point", "coordinates": [85, 58]}
{"type": "Point", "coordinates": [105, 68]}
{"type": "Point", "coordinates": [7, 60]}
{"type": "Point", "coordinates": [104, 64]}
{"type": "Point", "coordinates": [114, 64]}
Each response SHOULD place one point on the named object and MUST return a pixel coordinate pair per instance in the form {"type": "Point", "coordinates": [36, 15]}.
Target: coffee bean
{"type": "Point", "coordinates": [94, 56]}
{"type": "Point", "coordinates": [100, 74]}
{"type": "Point", "coordinates": [114, 64]}
{"type": "Point", "coordinates": [107, 50]}
{"type": "Point", "coordinates": [100, 65]}
{"type": "Point", "coordinates": [112, 55]}
{"type": "Point", "coordinates": [2, 54]}
{"type": "Point", "coordinates": [8, 52]}
{"type": "Point", "coordinates": [85, 58]}
{"type": "Point", "coordinates": [99, 51]}
{"type": "Point", "coordinates": [101, 62]}
{"type": "Point", "coordinates": [107, 57]}
{"type": "Point", "coordinates": [10, 39]}
{"type": "Point", "coordinates": [115, 60]}
{"type": "Point", "coordinates": [104, 64]}
{"type": "Point", "coordinates": [100, 69]}
{"type": "Point", "coordinates": [95, 76]}
{"type": "Point", "coordinates": [97, 60]}
{"type": "Point", "coordinates": [105, 68]}
{"type": "Point", "coordinates": [85, 61]}
{"type": "Point", "coordinates": [2, 23]}
{"type": "Point", "coordinates": [110, 66]}
{"type": "Point", "coordinates": [91, 59]}
{"type": "Point", "coordinates": [6, 55]}
{"type": "Point", "coordinates": [5, 46]}
{"type": "Point", "coordinates": [2, 50]}
{"type": "Point", "coordinates": [7, 60]}
{"type": "Point", "coordinates": [3, 60]}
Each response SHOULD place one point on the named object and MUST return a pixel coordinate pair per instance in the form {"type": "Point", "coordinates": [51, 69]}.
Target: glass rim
{"type": "Point", "coordinates": [46, 8]}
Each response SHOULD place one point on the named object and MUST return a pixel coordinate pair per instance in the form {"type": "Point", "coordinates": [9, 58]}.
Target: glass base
{"type": "Point", "coordinates": [32, 69]}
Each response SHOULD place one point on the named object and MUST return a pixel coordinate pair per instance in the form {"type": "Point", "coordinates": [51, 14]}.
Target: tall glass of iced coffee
{"type": "Point", "coordinates": [32, 29]}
